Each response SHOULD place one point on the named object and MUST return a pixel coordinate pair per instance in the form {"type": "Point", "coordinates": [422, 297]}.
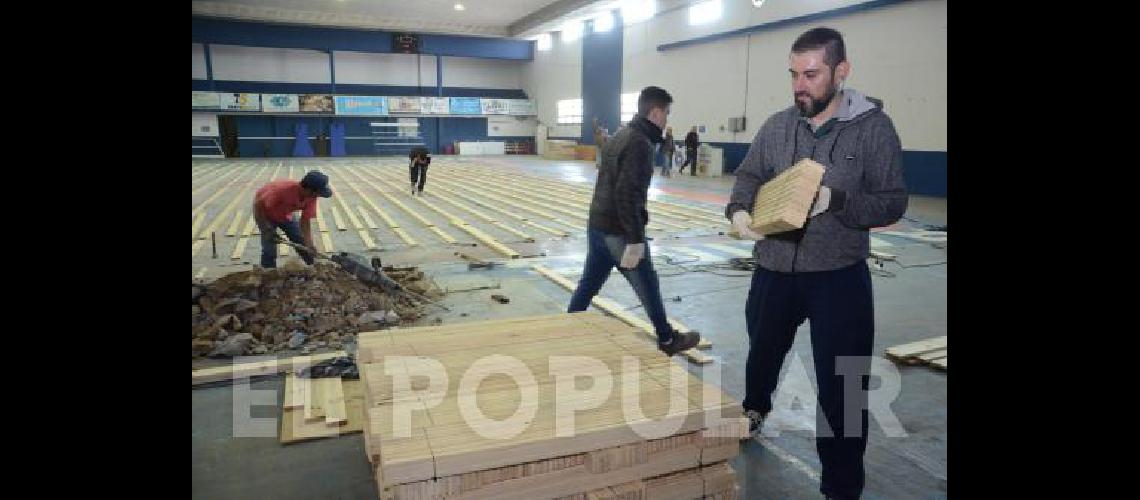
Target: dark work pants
{"type": "Point", "coordinates": [838, 305]}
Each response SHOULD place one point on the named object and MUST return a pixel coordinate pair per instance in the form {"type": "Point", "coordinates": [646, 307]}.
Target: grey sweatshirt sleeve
{"type": "Point", "coordinates": [750, 175]}
{"type": "Point", "coordinates": [630, 191]}
{"type": "Point", "coordinates": [882, 199]}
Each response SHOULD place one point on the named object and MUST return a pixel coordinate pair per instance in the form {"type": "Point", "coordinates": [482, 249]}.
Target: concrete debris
{"type": "Point", "coordinates": [235, 345]}
{"type": "Point", "coordinates": [201, 347]}
{"type": "Point", "coordinates": [286, 308]}
{"type": "Point", "coordinates": [297, 340]}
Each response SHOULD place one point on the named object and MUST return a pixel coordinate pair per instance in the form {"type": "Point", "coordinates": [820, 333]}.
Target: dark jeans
{"type": "Point", "coordinates": [839, 306]}
{"type": "Point", "coordinates": [418, 174]}
{"type": "Point", "coordinates": [690, 157]}
{"type": "Point", "coordinates": [603, 253]}
{"type": "Point", "coordinates": [268, 230]}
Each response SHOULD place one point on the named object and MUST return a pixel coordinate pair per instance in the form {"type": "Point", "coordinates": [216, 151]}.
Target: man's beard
{"type": "Point", "coordinates": [814, 106]}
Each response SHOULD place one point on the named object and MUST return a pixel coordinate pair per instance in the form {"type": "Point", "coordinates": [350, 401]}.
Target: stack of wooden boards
{"type": "Point", "coordinates": [612, 453]}
{"type": "Point", "coordinates": [320, 408]}
{"type": "Point", "coordinates": [930, 352]}
{"type": "Point", "coordinates": [585, 152]}
{"type": "Point", "coordinates": [561, 150]}
{"type": "Point", "coordinates": [783, 203]}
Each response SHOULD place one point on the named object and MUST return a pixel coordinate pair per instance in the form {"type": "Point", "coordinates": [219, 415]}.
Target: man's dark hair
{"type": "Point", "coordinates": [834, 51]}
{"type": "Point", "coordinates": [652, 97]}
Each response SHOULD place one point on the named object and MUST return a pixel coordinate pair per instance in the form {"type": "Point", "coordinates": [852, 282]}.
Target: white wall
{"type": "Point", "coordinates": [367, 68]}
{"type": "Point", "coordinates": [554, 75]}
{"type": "Point", "coordinates": [674, 26]}
{"type": "Point", "coordinates": [198, 54]}
{"type": "Point", "coordinates": [897, 53]}
{"type": "Point", "coordinates": [706, 80]}
{"type": "Point", "coordinates": [269, 65]}
{"type": "Point", "coordinates": [482, 73]}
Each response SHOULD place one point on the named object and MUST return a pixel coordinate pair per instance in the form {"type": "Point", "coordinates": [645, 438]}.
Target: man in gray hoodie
{"type": "Point", "coordinates": [819, 273]}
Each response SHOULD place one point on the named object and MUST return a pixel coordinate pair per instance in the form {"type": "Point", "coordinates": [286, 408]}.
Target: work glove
{"type": "Point", "coordinates": [632, 255]}
{"type": "Point", "coordinates": [822, 200]}
{"type": "Point", "coordinates": [742, 223]}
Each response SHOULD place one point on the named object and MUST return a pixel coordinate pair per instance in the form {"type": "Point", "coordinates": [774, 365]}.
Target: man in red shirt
{"type": "Point", "coordinates": [273, 208]}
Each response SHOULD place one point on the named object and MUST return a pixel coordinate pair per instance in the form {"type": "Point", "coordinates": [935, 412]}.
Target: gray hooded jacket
{"type": "Point", "coordinates": [863, 159]}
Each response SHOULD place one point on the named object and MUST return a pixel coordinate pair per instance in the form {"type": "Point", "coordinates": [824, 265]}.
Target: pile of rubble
{"type": "Point", "coordinates": [298, 307]}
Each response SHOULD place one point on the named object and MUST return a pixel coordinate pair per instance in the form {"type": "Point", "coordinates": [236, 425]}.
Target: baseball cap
{"type": "Point", "coordinates": [317, 182]}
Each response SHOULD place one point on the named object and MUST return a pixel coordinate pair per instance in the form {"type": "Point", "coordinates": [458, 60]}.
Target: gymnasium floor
{"type": "Point", "coordinates": [526, 211]}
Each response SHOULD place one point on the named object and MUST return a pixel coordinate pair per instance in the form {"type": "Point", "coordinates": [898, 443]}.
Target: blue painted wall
{"type": "Point", "coordinates": [601, 78]}
{"type": "Point", "coordinates": [925, 172]}
{"type": "Point", "coordinates": [250, 34]}
{"type": "Point", "coordinates": [351, 89]}
{"type": "Point", "coordinates": [450, 130]}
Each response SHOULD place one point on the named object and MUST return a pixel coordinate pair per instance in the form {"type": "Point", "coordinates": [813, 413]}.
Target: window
{"type": "Point", "coordinates": [704, 12]}
{"type": "Point", "coordinates": [569, 111]}
{"type": "Point", "coordinates": [628, 106]}
{"type": "Point", "coordinates": [543, 42]}
{"type": "Point", "coordinates": [633, 11]}
{"type": "Point", "coordinates": [571, 31]}
{"type": "Point", "coordinates": [604, 22]}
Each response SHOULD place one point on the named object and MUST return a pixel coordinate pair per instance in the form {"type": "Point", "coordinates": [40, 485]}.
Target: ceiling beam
{"type": "Point", "coordinates": [551, 12]}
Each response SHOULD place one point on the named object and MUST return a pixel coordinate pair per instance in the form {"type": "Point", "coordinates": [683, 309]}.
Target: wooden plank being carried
{"type": "Point", "coordinates": [782, 204]}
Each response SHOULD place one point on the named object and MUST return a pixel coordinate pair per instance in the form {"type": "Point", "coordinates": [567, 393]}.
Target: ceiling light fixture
{"type": "Point", "coordinates": [459, 6]}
